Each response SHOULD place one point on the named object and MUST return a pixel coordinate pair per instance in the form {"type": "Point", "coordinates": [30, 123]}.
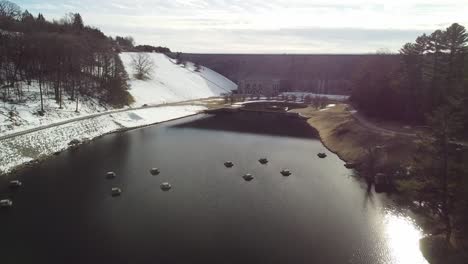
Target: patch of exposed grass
{"type": "Point", "coordinates": [348, 138]}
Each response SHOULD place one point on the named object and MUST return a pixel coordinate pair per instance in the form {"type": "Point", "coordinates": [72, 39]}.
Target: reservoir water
{"type": "Point", "coordinates": [64, 213]}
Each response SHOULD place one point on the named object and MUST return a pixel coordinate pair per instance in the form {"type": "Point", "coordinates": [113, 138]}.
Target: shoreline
{"type": "Point", "coordinates": [11, 134]}
{"type": "Point", "coordinates": [347, 137]}
{"type": "Point", "coordinates": [44, 157]}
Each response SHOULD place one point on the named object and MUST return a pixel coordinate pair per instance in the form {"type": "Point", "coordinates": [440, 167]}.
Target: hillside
{"type": "Point", "coordinates": [18, 113]}
{"type": "Point", "coordinates": [169, 83]}
{"type": "Point", "coordinates": [172, 83]}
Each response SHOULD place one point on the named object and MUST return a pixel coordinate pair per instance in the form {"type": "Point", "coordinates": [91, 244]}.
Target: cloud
{"type": "Point", "coordinates": [288, 40]}
{"type": "Point", "coordinates": [345, 26]}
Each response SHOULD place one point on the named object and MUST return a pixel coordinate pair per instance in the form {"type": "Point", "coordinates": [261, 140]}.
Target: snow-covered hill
{"type": "Point", "coordinates": [169, 83]}
{"type": "Point", "coordinates": [172, 83]}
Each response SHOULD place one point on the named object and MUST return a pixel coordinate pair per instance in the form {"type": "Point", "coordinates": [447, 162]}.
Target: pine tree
{"type": "Point", "coordinates": [27, 17]}
{"type": "Point", "coordinates": [40, 18]}
{"type": "Point", "coordinates": [456, 40]}
{"type": "Point", "coordinates": [78, 22]}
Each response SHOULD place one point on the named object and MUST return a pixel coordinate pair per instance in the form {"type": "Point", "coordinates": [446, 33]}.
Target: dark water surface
{"type": "Point", "coordinates": [320, 214]}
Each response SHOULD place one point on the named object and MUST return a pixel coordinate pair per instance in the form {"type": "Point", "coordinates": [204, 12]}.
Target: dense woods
{"type": "Point", "coordinates": [428, 73]}
{"type": "Point", "coordinates": [64, 58]}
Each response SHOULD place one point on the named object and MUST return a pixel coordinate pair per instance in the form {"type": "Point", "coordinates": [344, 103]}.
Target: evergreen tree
{"type": "Point", "coordinates": [40, 18]}
{"type": "Point", "coordinates": [456, 38]}
{"type": "Point", "coordinates": [27, 17]}
{"type": "Point", "coordinates": [431, 70]}
{"type": "Point", "coordinates": [78, 22]}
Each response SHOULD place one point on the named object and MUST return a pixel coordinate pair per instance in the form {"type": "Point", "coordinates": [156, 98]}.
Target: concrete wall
{"type": "Point", "coordinates": [330, 74]}
{"type": "Point", "coordinates": [257, 87]}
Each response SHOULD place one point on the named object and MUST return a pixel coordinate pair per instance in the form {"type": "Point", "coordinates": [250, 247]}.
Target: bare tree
{"type": "Point", "coordinates": [9, 9]}
{"type": "Point", "coordinates": [142, 65]}
{"type": "Point", "coordinates": [197, 67]}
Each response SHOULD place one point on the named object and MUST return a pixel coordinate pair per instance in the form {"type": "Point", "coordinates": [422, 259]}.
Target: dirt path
{"type": "Point", "coordinates": [371, 125]}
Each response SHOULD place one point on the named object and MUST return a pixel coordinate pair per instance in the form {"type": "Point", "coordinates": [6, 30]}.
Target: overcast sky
{"type": "Point", "coordinates": [263, 26]}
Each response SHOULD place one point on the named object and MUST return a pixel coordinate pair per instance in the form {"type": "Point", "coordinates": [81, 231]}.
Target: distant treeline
{"type": "Point", "coordinates": [128, 44]}
{"type": "Point", "coordinates": [148, 48]}
{"type": "Point", "coordinates": [65, 57]}
{"type": "Point", "coordinates": [430, 72]}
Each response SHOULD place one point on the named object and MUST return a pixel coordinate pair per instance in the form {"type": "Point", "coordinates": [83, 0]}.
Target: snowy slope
{"type": "Point", "coordinates": [172, 83]}
{"type": "Point", "coordinates": [169, 83]}
{"type": "Point", "coordinates": [18, 115]}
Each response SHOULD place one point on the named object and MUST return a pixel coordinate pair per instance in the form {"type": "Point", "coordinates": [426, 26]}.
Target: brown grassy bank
{"type": "Point", "coordinates": [349, 139]}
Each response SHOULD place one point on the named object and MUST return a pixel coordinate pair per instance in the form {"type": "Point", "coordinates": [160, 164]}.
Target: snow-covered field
{"type": "Point", "coordinates": [169, 83]}
{"type": "Point", "coordinates": [32, 146]}
{"type": "Point", "coordinates": [172, 83]}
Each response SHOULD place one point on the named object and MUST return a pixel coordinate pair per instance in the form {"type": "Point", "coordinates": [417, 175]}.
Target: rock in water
{"type": "Point", "coordinates": [15, 184]}
{"type": "Point", "coordinates": [248, 177]}
{"type": "Point", "coordinates": [165, 186]}
{"type": "Point", "coordinates": [154, 171]}
{"type": "Point", "coordinates": [6, 203]}
{"type": "Point", "coordinates": [116, 191]}
{"type": "Point", "coordinates": [110, 175]}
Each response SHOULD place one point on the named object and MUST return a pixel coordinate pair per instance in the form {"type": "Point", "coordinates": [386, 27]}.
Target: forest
{"type": "Point", "coordinates": [431, 72]}
{"type": "Point", "coordinates": [66, 59]}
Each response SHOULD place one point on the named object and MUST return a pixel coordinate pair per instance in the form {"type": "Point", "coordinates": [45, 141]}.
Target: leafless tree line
{"type": "Point", "coordinates": [65, 57]}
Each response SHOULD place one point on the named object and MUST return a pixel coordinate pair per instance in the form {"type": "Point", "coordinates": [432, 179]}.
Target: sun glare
{"type": "Point", "coordinates": [403, 239]}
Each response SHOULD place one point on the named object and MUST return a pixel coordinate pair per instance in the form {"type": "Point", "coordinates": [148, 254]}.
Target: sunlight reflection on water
{"type": "Point", "coordinates": [320, 214]}
{"type": "Point", "coordinates": [403, 239]}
